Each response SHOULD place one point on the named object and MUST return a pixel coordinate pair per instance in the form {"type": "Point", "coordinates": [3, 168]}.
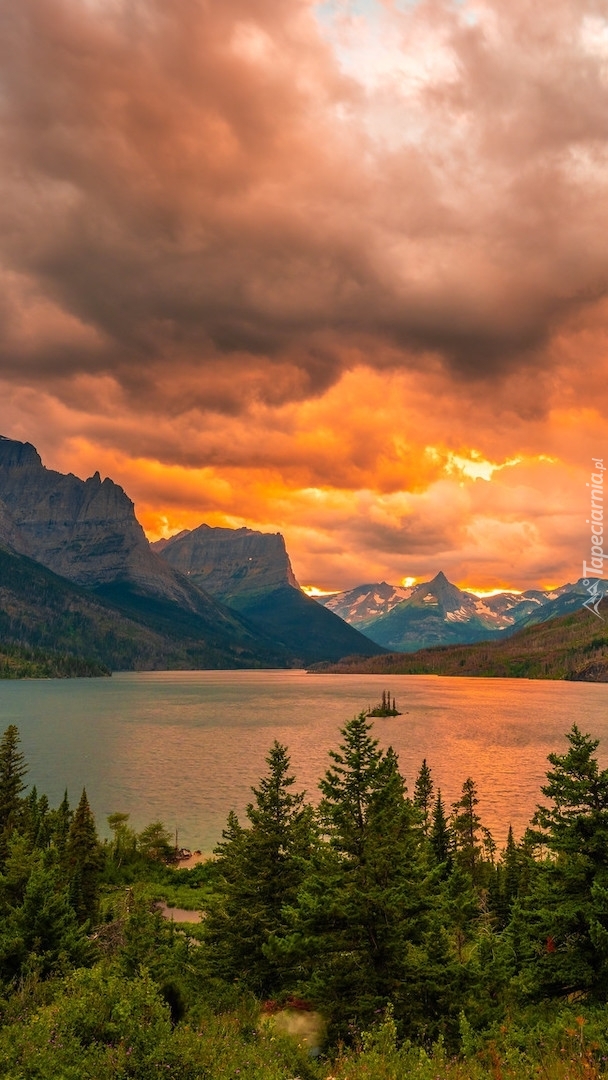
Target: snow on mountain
{"type": "Point", "coordinates": [365, 603]}
{"type": "Point", "coordinates": [437, 612]}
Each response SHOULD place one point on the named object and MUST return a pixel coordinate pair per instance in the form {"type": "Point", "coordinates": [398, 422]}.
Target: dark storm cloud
{"type": "Point", "coordinates": [196, 183]}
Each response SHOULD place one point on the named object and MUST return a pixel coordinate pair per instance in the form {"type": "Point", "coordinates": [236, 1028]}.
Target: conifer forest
{"type": "Point", "coordinates": [371, 931]}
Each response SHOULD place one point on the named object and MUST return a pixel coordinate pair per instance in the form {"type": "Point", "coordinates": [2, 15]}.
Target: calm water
{"type": "Point", "coordinates": [185, 747]}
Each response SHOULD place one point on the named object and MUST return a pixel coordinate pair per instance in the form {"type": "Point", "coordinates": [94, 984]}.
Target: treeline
{"type": "Point", "coordinates": [21, 662]}
{"type": "Point", "coordinates": [377, 897]}
{"type": "Point", "coordinates": [568, 647]}
{"type": "Point", "coordinates": [47, 615]}
{"type": "Point", "coordinates": [383, 912]}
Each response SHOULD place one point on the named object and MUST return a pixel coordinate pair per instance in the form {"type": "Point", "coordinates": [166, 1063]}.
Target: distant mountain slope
{"type": "Point", "coordinates": [20, 662]}
{"type": "Point", "coordinates": [364, 604]}
{"type": "Point", "coordinates": [564, 600]}
{"type": "Point", "coordinates": [512, 608]}
{"type": "Point", "coordinates": [251, 573]}
{"type": "Point", "coordinates": [439, 613]}
{"type": "Point", "coordinates": [435, 613]}
{"type": "Point", "coordinates": [572, 646]}
{"type": "Point", "coordinates": [229, 563]}
{"type": "Point", "coordinates": [40, 610]}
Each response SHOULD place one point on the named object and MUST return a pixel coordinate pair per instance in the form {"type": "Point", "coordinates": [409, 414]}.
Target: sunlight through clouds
{"type": "Point", "coordinates": [337, 270]}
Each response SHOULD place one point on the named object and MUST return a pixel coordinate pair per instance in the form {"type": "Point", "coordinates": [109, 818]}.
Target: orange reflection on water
{"type": "Point", "coordinates": [186, 747]}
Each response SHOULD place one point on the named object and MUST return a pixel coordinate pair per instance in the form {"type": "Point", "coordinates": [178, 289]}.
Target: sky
{"type": "Point", "coordinates": [338, 270]}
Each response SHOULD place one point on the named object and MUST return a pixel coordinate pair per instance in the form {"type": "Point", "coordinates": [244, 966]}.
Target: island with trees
{"type": "Point", "coordinates": [384, 707]}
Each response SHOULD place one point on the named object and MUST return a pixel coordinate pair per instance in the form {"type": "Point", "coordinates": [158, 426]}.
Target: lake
{"type": "Point", "coordinates": [185, 747]}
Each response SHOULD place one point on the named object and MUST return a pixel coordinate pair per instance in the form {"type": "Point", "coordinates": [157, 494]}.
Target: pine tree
{"type": "Point", "coordinates": [260, 871]}
{"type": "Point", "coordinates": [440, 835]}
{"type": "Point", "coordinates": [84, 860]}
{"type": "Point", "coordinates": [465, 826]}
{"type": "Point", "coordinates": [510, 862]}
{"type": "Point", "coordinates": [36, 821]}
{"type": "Point", "coordinates": [423, 794]}
{"type": "Point", "coordinates": [40, 936]}
{"type": "Point", "coordinates": [363, 900]}
{"type": "Point", "coordinates": [30, 817]}
{"type": "Point", "coordinates": [61, 820]}
{"type": "Point", "coordinates": [577, 820]}
{"type": "Point", "coordinates": [460, 905]}
{"type": "Point", "coordinates": [561, 925]}
{"type": "Point", "coordinates": [349, 786]}
{"type": "Point", "coordinates": [12, 771]}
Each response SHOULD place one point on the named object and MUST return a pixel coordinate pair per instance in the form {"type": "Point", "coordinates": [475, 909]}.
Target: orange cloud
{"type": "Point", "coordinates": [297, 270]}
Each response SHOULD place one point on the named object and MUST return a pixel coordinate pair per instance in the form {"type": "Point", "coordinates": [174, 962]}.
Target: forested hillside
{"type": "Point", "coordinates": [383, 929]}
{"type": "Point", "coordinates": [20, 662]}
{"type": "Point", "coordinates": [42, 612]}
{"type": "Point", "coordinates": [573, 646]}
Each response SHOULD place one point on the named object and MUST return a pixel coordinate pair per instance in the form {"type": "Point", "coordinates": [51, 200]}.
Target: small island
{"type": "Point", "coordinates": [384, 708]}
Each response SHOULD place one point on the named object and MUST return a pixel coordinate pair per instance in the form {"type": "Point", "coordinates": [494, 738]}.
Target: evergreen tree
{"type": "Point", "coordinates": [36, 821]}
{"type": "Point", "coordinates": [260, 871]}
{"type": "Point", "coordinates": [60, 823]}
{"type": "Point", "coordinates": [84, 860]}
{"type": "Point", "coordinates": [361, 912]}
{"type": "Point", "coordinates": [19, 863]}
{"type": "Point", "coordinates": [577, 820]}
{"type": "Point", "coordinates": [30, 817]}
{"type": "Point", "coordinates": [12, 771]}
{"type": "Point", "coordinates": [423, 795]}
{"type": "Point", "coordinates": [460, 910]}
{"type": "Point", "coordinates": [440, 835]}
{"type": "Point", "coordinates": [511, 870]}
{"type": "Point", "coordinates": [41, 936]}
{"type": "Point", "coordinates": [561, 924]}
{"type": "Point", "coordinates": [350, 786]}
{"type": "Point", "coordinates": [465, 827]}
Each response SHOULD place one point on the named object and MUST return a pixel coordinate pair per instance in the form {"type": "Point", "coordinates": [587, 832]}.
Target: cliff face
{"type": "Point", "coordinates": [230, 563]}
{"type": "Point", "coordinates": [191, 592]}
{"type": "Point", "coordinates": [84, 530]}
{"type": "Point", "coordinates": [9, 533]}
{"type": "Point", "coordinates": [251, 572]}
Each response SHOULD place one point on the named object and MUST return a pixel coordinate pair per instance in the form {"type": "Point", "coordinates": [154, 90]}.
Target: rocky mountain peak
{"type": "Point", "coordinates": [18, 455]}
{"type": "Point", "coordinates": [230, 563]}
{"type": "Point", "coordinates": [84, 530]}
{"type": "Point", "coordinates": [365, 603]}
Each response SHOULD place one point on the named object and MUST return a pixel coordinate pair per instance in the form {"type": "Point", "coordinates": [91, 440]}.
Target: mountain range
{"type": "Point", "coordinates": [572, 646]}
{"type": "Point", "coordinates": [77, 574]}
{"type": "Point", "coordinates": [251, 573]}
{"type": "Point", "coordinates": [437, 612]}
{"type": "Point", "coordinates": [79, 577]}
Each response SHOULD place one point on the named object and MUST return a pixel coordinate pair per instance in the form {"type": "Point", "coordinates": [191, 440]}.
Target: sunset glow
{"type": "Point", "coordinates": [336, 270]}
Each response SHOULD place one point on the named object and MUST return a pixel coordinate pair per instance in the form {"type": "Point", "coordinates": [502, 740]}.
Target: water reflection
{"type": "Point", "coordinates": [186, 747]}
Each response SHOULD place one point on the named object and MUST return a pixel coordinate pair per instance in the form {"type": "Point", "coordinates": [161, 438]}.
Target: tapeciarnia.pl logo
{"type": "Point", "coordinates": [595, 568]}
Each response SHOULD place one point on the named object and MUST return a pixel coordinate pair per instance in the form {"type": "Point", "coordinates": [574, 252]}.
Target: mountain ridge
{"type": "Point", "coordinates": [87, 534]}
{"type": "Point", "coordinates": [573, 647]}
{"type": "Point", "coordinates": [437, 612]}
{"type": "Point", "coordinates": [251, 572]}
